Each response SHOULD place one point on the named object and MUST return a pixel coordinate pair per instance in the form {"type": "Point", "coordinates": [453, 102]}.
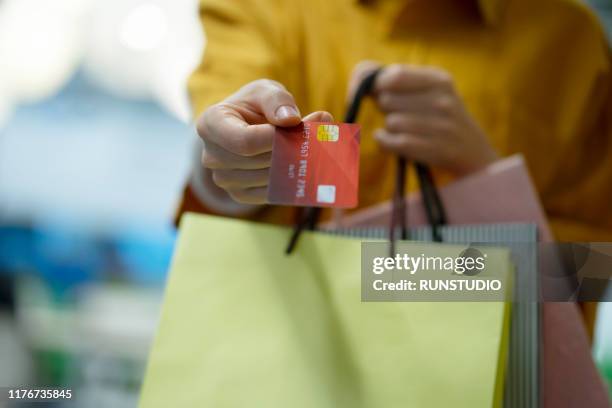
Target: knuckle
{"type": "Point", "coordinates": [403, 140]}
{"type": "Point", "coordinates": [202, 123]}
{"type": "Point", "coordinates": [273, 92]}
{"type": "Point", "coordinates": [260, 87]}
{"type": "Point", "coordinates": [210, 160]}
{"type": "Point", "coordinates": [263, 160]}
{"type": "Point", "coordinates": [379, 133]}
{"type": "Point", "coordinates": [445, 79]}
{"type": "Point", "coordinates": [267, 84]}
{"type": "Point", "coordinates": [219, 178]}
{"type": "Point", "coordinates": [207, 160]}
{"type": "Point", "coordinates": [397, 74]}
{"type": "Point", "coordinates": [396, 70]}
{"type": "Point", "coordinates": [443, 104]}
{"type": "Point", "coordinates": [394, 122]}
{"type": "Point", "coordinates": [385, 100]}
{"type": "Point", "coordinates": [237, 195]}
{"type": "Point", "coordinates": [243, 146]}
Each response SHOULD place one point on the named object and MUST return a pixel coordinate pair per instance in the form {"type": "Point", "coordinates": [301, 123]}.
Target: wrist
{"type": "Point", "coordinates": [487, 157]}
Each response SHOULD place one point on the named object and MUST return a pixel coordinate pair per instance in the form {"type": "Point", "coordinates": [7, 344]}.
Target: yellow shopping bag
{"type": "Point", "coordinates": [244, 325]}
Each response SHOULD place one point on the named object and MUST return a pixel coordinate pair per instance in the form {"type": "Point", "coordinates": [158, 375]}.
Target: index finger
{"type": "Point", "coordinates": [223, 126]}
{"type": "Point", "coordinates": [405, 78]}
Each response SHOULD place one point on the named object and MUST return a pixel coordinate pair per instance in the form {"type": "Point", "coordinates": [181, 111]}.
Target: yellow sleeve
{"type": "Point", "coordinates": [578, 199]}
{"type": "Point", "coordinates": [582, 211]}
{"type": "Point", "coordinates": [245, 40]}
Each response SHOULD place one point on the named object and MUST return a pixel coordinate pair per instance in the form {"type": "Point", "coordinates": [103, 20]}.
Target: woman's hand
{"type": "Point", "coordinates": [426, 119]}
{"type": "Point", "coordinates": [238, 135]}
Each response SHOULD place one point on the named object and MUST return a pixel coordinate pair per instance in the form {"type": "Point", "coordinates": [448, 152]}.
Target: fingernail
{"type": "Point", "coordinates": [287, 112]}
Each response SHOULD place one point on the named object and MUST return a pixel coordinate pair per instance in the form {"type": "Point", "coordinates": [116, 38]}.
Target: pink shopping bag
{"type": "Point", "coordinates": [501, 193]}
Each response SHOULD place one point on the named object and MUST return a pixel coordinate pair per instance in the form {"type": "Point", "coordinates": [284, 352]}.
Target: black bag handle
{"type": "Point", "coordinates": [433, 204]}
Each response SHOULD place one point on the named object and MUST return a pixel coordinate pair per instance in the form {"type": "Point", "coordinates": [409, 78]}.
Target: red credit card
{"type": "Point", "coordinates": [315, 164]}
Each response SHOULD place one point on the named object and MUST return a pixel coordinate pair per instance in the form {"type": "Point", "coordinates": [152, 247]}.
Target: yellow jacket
{"type": "Point", "coordinates": [534, 74]}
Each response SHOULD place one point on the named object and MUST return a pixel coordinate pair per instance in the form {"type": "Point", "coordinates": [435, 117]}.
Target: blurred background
{"type": "Point", "coordinates": [95, 140]}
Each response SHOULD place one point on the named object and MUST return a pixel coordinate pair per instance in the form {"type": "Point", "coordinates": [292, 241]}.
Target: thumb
{"type": "Point", "coordinates": [361, 70]}
{"type": "Point", "coordinates": [275, 103]}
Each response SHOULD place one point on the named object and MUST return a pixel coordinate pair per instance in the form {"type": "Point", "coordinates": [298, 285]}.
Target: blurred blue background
{"type": "Point", "coordinates": [95, 142]}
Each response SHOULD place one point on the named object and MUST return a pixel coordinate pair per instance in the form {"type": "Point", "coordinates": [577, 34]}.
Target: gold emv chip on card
{"type": "Point", "coordinates": [328, 133]}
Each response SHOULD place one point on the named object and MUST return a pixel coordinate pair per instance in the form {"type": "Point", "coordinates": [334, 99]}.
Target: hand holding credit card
{"type": "Point", "coordinates": [315, 164]}
{"type": "Point", "coordinates": [238, 135]}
